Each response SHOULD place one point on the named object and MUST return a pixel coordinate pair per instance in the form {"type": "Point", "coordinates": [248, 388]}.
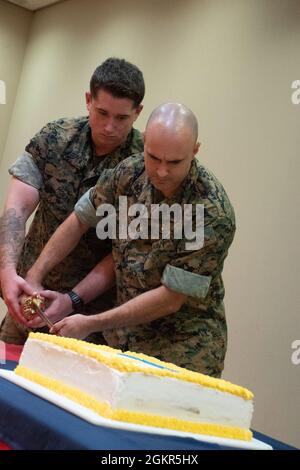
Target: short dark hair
{"type": "Point", "coordinates": [120, 78]}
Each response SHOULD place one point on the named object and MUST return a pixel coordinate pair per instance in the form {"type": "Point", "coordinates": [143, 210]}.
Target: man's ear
{"type": "Point", "coordinates": [88, 99]}
{"type": "Point", "coordinates": [138, 110]}
{"type": "Point", "coordinates": [196, 148]}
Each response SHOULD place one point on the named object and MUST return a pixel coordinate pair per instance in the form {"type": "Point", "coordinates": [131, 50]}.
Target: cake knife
{"type": "Point", "coordinates": [43, 316]}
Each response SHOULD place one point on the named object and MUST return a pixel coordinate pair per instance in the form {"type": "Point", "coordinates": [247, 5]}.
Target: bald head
{"type": "Point", "coordinates": [170, 145]}
{"type": "Point", "coordinates": [175, 118]}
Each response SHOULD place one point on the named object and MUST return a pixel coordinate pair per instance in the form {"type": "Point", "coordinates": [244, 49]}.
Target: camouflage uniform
{"type": "Point", "coordinates": [195, 337]}
{"type": "Point", "coordinates": [60, 163]}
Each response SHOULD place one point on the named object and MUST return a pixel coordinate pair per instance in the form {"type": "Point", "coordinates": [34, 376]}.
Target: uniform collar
{"type": "Point", "coordinates": [118, 154]}
{"type": "Point", "coordinates": [80, 151]}
{"type": "Point", "coordinates": [145, 192]}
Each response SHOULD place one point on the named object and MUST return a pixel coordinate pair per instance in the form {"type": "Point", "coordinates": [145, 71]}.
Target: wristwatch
{"type": "Point", "coordinates": [77, 302]}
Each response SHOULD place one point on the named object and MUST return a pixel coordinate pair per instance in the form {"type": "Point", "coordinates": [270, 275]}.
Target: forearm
{"type": "Point", "coordinates": [12, 234]}
{"type": "Point", "coordinates": [145, 308]}
{"type": "Point", "coordinates": [62, 242]}
{"type": "Point", "coordinates": [21, 201]}
{"type": "Point", "coordinates": [98, 281]}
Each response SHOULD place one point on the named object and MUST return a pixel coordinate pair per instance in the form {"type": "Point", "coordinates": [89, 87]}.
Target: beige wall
{"type": "Point", "coordinates": [14, 29]}
{"type": "Point", "coordinates": [233, 63]}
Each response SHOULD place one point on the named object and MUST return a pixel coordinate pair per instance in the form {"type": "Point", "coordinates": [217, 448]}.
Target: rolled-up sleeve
{"type": "Point", "coordinates": [26, 170]}
{"type": "Point", "coordinates": [85, 210]}
{"type": "Point", "coordinates": [192, 272]}
{"type": "Point", "coordinates": [87, 205]}
{"type": "Point", "coordinates": [185, 282]}
{"type": "Point", "coordinates": [30, 166]}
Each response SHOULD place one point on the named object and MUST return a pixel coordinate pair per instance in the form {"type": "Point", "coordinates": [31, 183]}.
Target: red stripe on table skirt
{"type": "Point", "coordinates": [13, 352]}
{"type": "Point", "coordinates": [4, 446]}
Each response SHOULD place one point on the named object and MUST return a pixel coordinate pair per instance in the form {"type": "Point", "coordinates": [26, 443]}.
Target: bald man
{"type": "Point", "coordinates": [170, 290]}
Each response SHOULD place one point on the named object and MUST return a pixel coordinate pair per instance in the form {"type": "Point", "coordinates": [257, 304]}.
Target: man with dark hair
{"type": "Point", "coordinates": [60, 163]}
{"type": "Point", "coordinates": [120, 78]}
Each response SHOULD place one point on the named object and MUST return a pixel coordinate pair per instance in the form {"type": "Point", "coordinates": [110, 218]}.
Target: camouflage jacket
{"type": "Point", "coordinates": [195, 336]}
{"type": "Point", "coordinates": [59, 162]}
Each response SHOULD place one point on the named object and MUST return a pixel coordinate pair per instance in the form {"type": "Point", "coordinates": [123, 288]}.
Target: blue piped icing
{"type": "Point", "coordinates": [146, 362]}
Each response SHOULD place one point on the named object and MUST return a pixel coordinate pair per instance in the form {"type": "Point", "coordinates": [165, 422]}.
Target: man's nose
{"type": "Point", "coordinates": [109, 125]}
{"type": "Point", "coordinates": [162, 171]}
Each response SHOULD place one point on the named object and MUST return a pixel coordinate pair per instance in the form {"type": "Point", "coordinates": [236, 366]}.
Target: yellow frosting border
{"type": "Point", "coordinates": [146, 419]}
{"type": "Point", "coordinates": [128, 366]}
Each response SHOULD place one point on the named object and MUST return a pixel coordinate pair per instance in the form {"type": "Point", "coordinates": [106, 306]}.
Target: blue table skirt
{"type": "Point", "coordinates": [30, 422]}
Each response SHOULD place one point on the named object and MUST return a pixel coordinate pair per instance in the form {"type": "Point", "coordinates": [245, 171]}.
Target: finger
{"type": "Point", "coordinates": [48, 294]}
{"type": "Point", "coordinates": [56, 331]}
{"type": "Point", "coordinates": [57, 327]}
{"type": "Point", "coordinates": [50, 311]}
{"type": "Point", "coordinates": [14, 309]}
{"type": "Point", "coordinates": [36, 323]}
{"type": "Point", "coordinates": [27, 289]}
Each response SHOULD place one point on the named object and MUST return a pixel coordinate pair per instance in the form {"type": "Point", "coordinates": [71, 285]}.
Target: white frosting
{"type": "Point", "coordinates": [136, 391]}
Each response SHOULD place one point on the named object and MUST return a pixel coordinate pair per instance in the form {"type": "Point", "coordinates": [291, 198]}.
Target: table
{"type": "Point", "coordinates": [30, 422]}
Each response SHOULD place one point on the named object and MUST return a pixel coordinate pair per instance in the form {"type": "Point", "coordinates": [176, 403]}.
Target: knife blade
{"type": "Point", "coordinates": [44, 317]}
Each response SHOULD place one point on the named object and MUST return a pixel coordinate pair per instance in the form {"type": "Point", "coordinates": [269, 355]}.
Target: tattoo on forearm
{"type": "Point", "coordinates": [12, 233]}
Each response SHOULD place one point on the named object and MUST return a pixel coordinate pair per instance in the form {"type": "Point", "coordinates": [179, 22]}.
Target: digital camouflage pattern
{"type": "Point", "coordinates": [59, 161]}
{"type": "Point", "coordinates": [195, 337]}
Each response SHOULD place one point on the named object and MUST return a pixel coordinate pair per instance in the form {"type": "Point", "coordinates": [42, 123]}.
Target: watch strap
{"type": "Point", "coordinates": [77, 302]}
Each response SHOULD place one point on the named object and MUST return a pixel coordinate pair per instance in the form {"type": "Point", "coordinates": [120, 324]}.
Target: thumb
{"type": "Point", "coordinates": [48, 294]}
{"type": "Point", "coordinates": [51, 310]}
{"type": "Point", "coordinates": [56, 327]}
{"type": "Point", "coordinates": [27, 289]}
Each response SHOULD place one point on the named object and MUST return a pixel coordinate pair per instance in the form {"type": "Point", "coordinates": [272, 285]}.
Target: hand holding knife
{"type": "Point", "coordinates": [35, 304]}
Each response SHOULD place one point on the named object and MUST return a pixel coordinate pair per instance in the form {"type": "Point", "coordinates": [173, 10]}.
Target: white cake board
{"type": "Point", "coordinates": [94, 418]}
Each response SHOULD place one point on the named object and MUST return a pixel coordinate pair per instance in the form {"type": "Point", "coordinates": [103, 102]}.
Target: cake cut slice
{"type": "Point", "coordinates": [136, 388]}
